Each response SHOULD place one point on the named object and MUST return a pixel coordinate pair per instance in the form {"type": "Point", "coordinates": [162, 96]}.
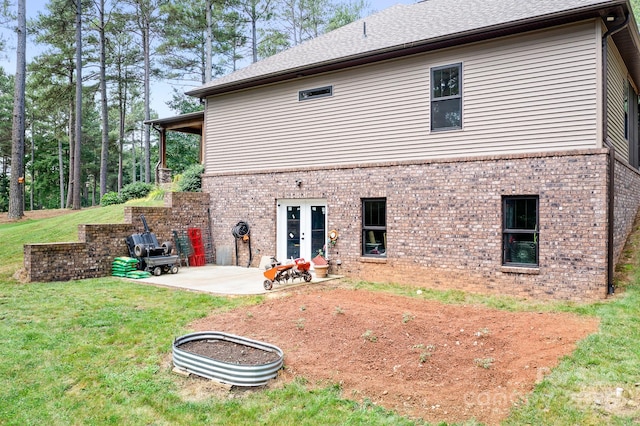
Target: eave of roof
{"type": "Point", "coordinates": [186, 123]}
{"type": "Point", "coordinates": [628, 43]}
{"type": "Point", "coordinates": [597, 9]}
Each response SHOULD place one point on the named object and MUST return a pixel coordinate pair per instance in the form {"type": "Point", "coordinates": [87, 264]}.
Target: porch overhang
{"type": "Point", "coordinates": [191, 123]}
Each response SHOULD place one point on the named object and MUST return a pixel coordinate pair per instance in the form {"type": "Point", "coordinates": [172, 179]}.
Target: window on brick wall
{"type": "Point", "coordinates": [374, 227]}
{"type": "Point", "coordinates": [520, 231]}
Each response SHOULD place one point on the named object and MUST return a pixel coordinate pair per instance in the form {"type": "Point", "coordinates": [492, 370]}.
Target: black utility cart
{"type": "Point", "coordinates": [152, 256]}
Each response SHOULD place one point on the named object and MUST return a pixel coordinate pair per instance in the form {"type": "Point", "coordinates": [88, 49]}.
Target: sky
{"type": "Point", "coordinates": [161, 92]}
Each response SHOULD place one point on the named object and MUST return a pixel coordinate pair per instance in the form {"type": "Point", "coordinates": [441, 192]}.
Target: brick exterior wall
{"type": "Point", "coordinates": [444, 222]}
{"type": "Point", "coordinates": [627, 200]}
{"type": "Point", "coordinates": [98, 245]}
{"type": "Point", "coordinates": [444, 219]}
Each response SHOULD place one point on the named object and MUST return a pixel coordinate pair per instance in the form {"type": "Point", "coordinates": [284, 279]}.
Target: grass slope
{"type": "Point", "coordinates": [63, 228]}
{"type": "Point", "coordinates": [98, 352]}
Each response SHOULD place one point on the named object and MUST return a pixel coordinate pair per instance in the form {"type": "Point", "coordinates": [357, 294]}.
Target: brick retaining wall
{"type": "Point", "coordinates": [99, 244]}
{"type": "Point", "coordinates": [444, 220]}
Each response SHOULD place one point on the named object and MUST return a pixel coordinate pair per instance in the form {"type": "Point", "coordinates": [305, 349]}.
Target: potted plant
{"type": "Point", "coordinates": [320, 265]}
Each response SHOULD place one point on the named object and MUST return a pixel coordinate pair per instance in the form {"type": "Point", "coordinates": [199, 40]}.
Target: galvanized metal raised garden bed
{"type": "Point", "coordinates": [236, 374]}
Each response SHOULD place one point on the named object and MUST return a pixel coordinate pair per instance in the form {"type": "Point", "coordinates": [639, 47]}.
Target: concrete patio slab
{"type": "Point", "coordinates": [228, 280]}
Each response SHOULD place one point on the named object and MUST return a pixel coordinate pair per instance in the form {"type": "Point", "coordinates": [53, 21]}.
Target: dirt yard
{"type": "Point", "coordinates": [421, 358]}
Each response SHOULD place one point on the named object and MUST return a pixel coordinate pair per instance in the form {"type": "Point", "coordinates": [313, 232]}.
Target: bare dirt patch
{"type": "Point", "coordinates": [36, 214]}
{"type": "Point", "coordinates": [421, 358]}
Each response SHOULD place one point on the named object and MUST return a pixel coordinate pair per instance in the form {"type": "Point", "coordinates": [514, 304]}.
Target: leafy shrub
{"type": "Point", "coordinates": [135, 190]}
{"type": "Point", "coordinates": [191, 179]}
{"type": "Point", "coordinates": [156, 193]}
{"type": "Point", "coordinates": [110, 198]}
{"type": "Point", "coordinates": [4, 193]}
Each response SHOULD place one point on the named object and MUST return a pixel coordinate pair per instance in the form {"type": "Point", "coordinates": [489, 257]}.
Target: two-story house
{"type": "Point", "coordinates": [485, 145]}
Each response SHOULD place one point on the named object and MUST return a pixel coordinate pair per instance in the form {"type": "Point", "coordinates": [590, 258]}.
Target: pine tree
{"type": "Point", "coordinates": [16, 193]}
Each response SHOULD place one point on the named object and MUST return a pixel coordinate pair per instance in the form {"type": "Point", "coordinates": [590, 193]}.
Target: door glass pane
{"type": "Point", "coordinates": [293, 232]}
{"type": "Point", "coordinates": [318, 229]}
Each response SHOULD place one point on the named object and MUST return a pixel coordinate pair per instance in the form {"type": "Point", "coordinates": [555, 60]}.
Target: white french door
{"type": "Point", "coordinates": [302, 228]}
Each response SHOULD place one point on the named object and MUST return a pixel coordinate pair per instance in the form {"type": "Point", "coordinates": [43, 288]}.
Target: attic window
{"type": "Point", "coordinates": [319, 92]}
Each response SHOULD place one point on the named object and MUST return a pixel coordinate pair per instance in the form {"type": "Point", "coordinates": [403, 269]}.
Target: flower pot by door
{"type": "Point", "coordinates": [321, 271]}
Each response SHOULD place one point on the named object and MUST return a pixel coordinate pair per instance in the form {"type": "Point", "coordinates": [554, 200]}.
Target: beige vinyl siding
{"type": "Point", "coordinates": [529, 93]}
{"type": "Point", "coordinates": [616, 85]}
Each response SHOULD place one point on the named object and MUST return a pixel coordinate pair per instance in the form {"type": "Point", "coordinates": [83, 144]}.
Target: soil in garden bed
{"type": "Point", "coordinates": [230, 352]}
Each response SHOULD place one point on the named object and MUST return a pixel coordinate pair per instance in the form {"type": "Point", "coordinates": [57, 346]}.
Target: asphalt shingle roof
{"type": "Point", "coordinates": [401, 26]}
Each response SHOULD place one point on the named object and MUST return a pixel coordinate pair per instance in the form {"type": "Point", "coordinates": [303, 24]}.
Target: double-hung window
{"type": "Point", "coordinates": [446, 97]}
{"type": "Point", "coordinates": [520, 231]}
{"type": "Point", "coordinates": [374, 227]}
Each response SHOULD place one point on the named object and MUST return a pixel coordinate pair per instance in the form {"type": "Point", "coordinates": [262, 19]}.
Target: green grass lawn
{"type": "Point", "coordinates": [62, 228]}
{"type": "Point", "coordinates": [99, 352]}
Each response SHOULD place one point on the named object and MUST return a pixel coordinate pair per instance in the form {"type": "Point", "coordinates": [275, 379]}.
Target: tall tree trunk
{"type": "Point", "coordinates": [147, 101]}
{"type": "Point", "coordinates": [142, 149]}
{"type": "Point", "coordinates": [33, 166]}
{"type": "Point", "coordinates": [254, 32]}
{"type": "Point", "coordinates": [78, 132]}
{"type": "Point", "coordinates": [122, 105]}
{"type": "Point", "coordinates": [134, 171]}
{"type": "Point", "coordinates": [72, 144]}
{"type": "Point", "coordinates": [104, 153]}
{"type": "Point", "coordinates": [61, 173]}
{"type": "Point", "coordinates": [16, 193]}
{"type": "Point", "coordinates": [294, 23]}
{"type": "Point", "coordinates": [72, 156]}
{"type": "Point", "coordinates": [208, 66]}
